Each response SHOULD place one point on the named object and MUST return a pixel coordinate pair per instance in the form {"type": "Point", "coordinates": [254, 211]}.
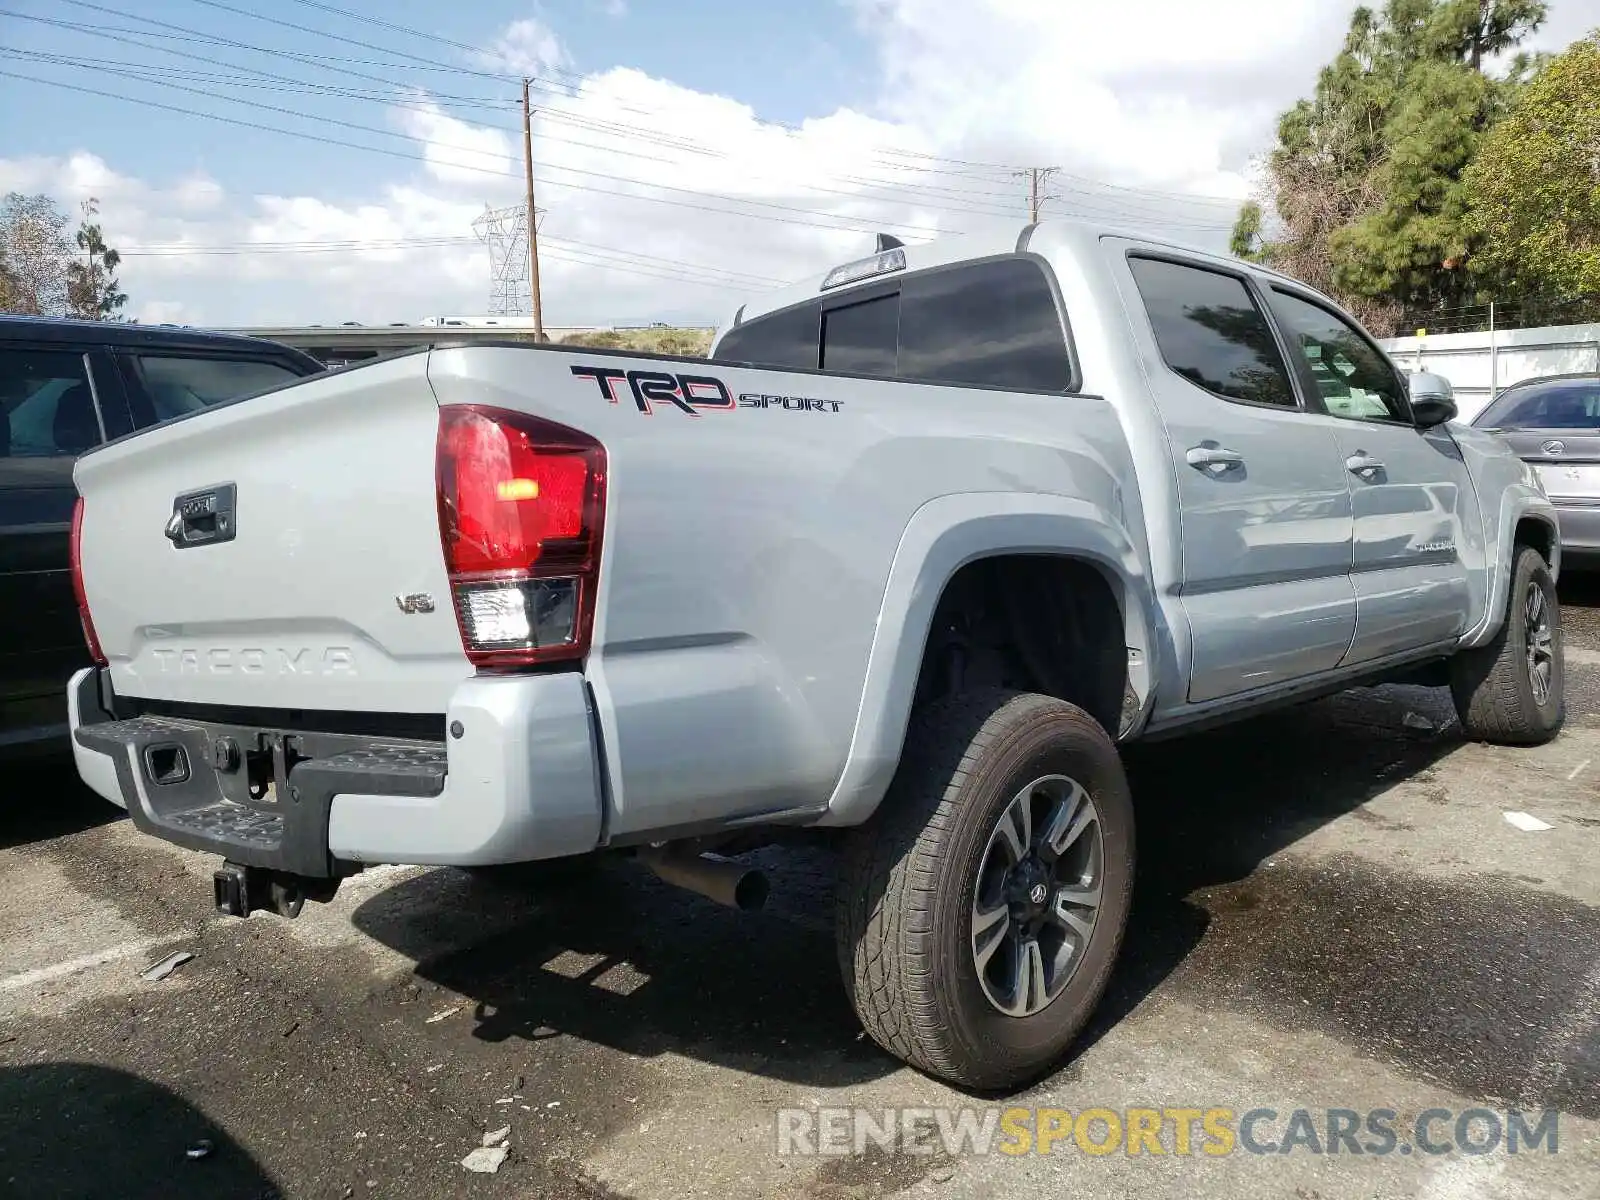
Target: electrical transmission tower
{"type": "Point", "coordinates": [505, 232]}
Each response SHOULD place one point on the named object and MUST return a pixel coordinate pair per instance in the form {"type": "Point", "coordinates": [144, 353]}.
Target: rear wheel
{"type": "Point", "coordinates": [981, 909]}
{"type": "Point", "coordinates": [1512, 690]}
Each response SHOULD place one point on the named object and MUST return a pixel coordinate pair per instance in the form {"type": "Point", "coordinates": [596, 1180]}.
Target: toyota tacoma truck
{"type": "Point", "coordinates": [901, 563]}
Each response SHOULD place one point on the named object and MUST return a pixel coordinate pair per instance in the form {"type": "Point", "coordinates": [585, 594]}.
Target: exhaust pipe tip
{"type": "Point", "coordinates": [751, 891]}
{"type": "Point", "coordinates": [729, 883]}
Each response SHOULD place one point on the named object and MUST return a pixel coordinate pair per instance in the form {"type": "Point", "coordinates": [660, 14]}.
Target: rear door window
{"type": "Point", "coordinates": [48, 407]}
{"type": "Point", "coordinates": [785, 339]}
{"type": "Point", "coordinates": [1209, 330]}
{"type": "Point", "coordinates": [179, 384]}
{"type": "Point", "coordinates": [860, 338]}
{"type": "Point", "coordinates": [994, 324]}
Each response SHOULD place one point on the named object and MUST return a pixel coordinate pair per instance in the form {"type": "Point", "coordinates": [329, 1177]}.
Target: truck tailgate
{"type": "Point", "coordinates": [324, 587]}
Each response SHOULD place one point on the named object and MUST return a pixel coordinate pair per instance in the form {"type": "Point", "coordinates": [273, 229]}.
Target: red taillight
{"type": "Point", "coordinates": [521, 507]}
{"type": "Point", "coordinates": [89, 635]}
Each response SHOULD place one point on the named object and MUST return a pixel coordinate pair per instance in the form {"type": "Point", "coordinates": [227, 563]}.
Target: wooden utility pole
{"type": "Point", "coordinates": [1036, 177]}
{"type": "Point", "coordinates": [533, 224]}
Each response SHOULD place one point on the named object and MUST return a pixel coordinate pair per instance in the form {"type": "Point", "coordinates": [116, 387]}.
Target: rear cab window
{"type": "Point", "coordinates": [860, 338]}
{"type": "Point", "coordinates": [1210, 331]}
{"type": "Point", "coordinates": [785, 339]}
{"type": "Point", "coordinates": [991, 323]}
{"type": "Point", "coordinates": [172, 384]}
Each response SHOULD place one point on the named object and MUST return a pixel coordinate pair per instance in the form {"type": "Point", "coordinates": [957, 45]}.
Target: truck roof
{"type": "Point", "coordinates": [961, 246]}
{"type": "Point", "coordinates": [127, 334]}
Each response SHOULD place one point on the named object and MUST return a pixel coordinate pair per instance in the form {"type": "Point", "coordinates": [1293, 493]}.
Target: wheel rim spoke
{"type": "Point", "coordinates": [1037, 895]}
{"type": "Point", "coordinates": [1072, 814]}
{"type": "Point", "coordinates": [1016, 825]}
{"type": "Point", "coordinates": [1029, 985]}
{"type": "Point", "coordinates": [1074, 908]}
{"type": "Point", "coordinates": [989, 931]}
{"type": "Point", "coordinates": [1540, 638]}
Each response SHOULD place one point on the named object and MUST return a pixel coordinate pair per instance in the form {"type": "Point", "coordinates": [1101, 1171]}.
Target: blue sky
{"type": "Point", "coordinates": [786, 61]}
{"type": "Point", "coordinates": [689, 152]}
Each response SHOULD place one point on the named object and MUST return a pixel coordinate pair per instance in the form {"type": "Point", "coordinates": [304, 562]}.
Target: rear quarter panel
{"type": "Point", "coordinates": [748, 549]}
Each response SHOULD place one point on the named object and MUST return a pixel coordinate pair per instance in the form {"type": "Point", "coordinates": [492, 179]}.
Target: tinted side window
{"type": "Point", "coordinates": [861, 337]}
{"type": "Point", "coordinates": [48, 407]}
{"type": "Point", "coordinates": [992, 323]}
{"type": "Point", "coordinates": [177, 385]}
{"type": "Point", "coordinates": [785, 339]}
{"type": "Point", "coordinates": [1353, 376]}
{"type": "Point", "coordinates": [1210, 331]}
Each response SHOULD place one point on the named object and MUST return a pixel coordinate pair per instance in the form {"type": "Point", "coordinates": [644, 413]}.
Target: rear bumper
{"type": "Point", "coordinates": [520, 782]}
{"type": "Point", "coordinates": [1580, 530]}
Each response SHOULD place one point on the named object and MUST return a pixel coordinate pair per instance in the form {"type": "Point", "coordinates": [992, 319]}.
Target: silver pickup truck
{"type": "Point", "coordinates": [900, 564]}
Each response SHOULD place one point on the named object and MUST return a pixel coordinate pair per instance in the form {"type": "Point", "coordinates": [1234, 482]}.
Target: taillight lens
{"type": "Point", "coordinates": [521, 508]}
{"type": "Point", "coordinates": [87, 621]}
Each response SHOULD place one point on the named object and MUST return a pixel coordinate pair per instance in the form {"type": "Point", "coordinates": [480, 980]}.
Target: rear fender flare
{"type": "Point", "coordinates": [943, 536]}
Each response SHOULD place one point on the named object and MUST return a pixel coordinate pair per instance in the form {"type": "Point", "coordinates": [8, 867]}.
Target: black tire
{"type": "Point", "coordinates": [906, 888]}
{"type": "Point", "coordinates": [1493, 684]}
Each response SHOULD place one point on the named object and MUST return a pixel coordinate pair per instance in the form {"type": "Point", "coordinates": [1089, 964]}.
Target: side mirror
{"type": "Point", "coordinates": [1432, 400]}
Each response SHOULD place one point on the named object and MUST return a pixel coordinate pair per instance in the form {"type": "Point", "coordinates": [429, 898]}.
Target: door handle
{"type": "Point", "coordinates": [1363, 464]}
{"type": "Point", "coordinates": [1213, 460]}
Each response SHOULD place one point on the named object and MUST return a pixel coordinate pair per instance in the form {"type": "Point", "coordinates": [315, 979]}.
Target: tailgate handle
{"type": "Point", "coordinates": [203, 518]}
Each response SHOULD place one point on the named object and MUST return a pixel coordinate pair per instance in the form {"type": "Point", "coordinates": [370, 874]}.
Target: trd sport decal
{"type": "Point", "coordinates": [691, 394]}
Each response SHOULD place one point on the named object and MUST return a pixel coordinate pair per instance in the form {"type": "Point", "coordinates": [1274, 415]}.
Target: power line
{"type": "Point", "coordinates": [573, 253]}
{"type": "Point", "coordinates": [173, 108]}
{"type": "Point", "coordinates": [152, 75]}
{"type": "Point", "coordinates": [429, 64]}
{"type": "Point", "coordinates": [365, 19]}
{"type": "Point", "coordinates": [624, 131]}
{"type": "Point", "coordinates": [1036, 176]}
{"type": "Point", "coordinates": [319, 62]}
{"type": "Point", "coordinates": [337, 37]}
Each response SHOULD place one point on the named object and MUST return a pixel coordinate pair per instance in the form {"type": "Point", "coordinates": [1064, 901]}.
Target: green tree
{"type": "Point", "coordinates": [1534, 186]}
{"type": "Point", "coordinates": [1366, 174]}
{"type": "Point", "coordinates": [93, 292]}
{"type": "Point", "coordinates": [1246, 239]}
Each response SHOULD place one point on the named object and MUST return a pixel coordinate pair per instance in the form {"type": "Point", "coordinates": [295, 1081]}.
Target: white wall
{"type": "Point", "coordinates": [1465, 358]}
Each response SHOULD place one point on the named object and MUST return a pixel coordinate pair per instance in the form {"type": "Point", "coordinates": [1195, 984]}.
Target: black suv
{"type": "Point", "coordinates": [66, 386]}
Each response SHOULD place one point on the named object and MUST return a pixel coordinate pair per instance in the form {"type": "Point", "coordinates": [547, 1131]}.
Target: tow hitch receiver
{"type": "Point", "coordinates": [242, 890]}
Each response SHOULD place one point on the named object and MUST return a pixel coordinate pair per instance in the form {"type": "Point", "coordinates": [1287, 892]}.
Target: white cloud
{"type": "Point", "coordinates": [162, 312]}
{"type": "Point", "coordinates": [457, 151]}
{"type": "Point", "coordinates": [1165, 96]}
{"type": "Point", "coordinates": [528, 47]}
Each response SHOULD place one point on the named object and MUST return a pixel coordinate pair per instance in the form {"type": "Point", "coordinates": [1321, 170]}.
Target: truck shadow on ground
{"type": "Point", "coordinates": [1213, 807]}
{"type": "Point", "coordinates": [77, 1129]}
{"type": "Point", "coordinates": [761, 993]}
{"type": "Point", "coordinates": [621, 960]}
{"type": "Point", "coordinates": [44, 799]}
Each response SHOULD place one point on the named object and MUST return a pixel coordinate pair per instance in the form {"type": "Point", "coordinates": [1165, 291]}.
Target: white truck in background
{"type": "Point", "coordinates": [904, 560]}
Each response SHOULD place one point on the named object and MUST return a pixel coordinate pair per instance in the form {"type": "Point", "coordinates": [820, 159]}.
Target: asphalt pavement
{"type": "Point", "coordinates": [1334, 915]}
